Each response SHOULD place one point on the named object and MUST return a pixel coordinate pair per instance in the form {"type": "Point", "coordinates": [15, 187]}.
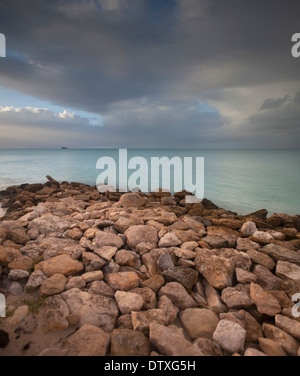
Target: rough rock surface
{"type": "Point", "coordinates": [86, 273]}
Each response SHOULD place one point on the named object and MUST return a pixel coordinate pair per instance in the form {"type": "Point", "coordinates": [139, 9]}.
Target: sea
{"type": "Point", "coordinates": [242, 181]}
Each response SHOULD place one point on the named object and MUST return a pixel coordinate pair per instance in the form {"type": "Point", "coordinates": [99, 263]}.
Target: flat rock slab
{"type": "Point", "coordinates": [62, 264]}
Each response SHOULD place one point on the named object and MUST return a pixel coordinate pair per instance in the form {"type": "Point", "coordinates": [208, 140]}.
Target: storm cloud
{"type": "Point", "coordinates": [172, 73]}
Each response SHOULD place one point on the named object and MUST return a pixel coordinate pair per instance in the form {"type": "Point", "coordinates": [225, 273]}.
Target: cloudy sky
{"type": "Point", "coordinates": [149, 73]}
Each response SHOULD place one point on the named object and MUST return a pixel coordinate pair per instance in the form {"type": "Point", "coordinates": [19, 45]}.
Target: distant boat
{"type": "Point", "coordinates": [64, 148]}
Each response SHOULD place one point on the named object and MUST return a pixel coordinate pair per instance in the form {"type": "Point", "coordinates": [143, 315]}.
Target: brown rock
{"type": "Point", "coordinates": [126, 342]}
{"type": "Point", "coordinates": [17, 235]}
{"type": "Point", "coordinates": [290, 326]}
{"type": "Point", "coordinates": [132, 200]}
{"type": "Point", "coordinates": [178, 295]}
{"type": "Point", "coordinates": [208, 347]}
{"type": "Point", "coordinates": [75, 234]}
{"type": "Point", "coordinates": [141, 234]}
{"type": "Point", "coordinates": [123, 281]}
{"type": "Point", "coordinates": [266, 279]}
{"type": "Point", "coordinates": [141, 321]}
{"type": "Point", "coordinates": [170, 341]}
{"type": "Point", "coordinates": [199, 323]}
{"type": "Point", "coordinates": [271, 348]}
{"type": "Point", "coordinates": [286, 341]}
{"type": "Point", "coordinates": [53, 285]}
{"type": "Point", "coordinates": [261, 259]}
{"type": "Point", "coordinates": [90, 341]}
{"type": "Point", "coordinates": [266, 303]}
{"type": "Point", "coordinates": [236, 299]}
{"type": "Point", "coordinates": [56, 312]}
{"type": "Point", "coordinates": [218, 271]}
{"type": "Point", "coordinates": [103, 239]}
{"type": "Point", "coordinates": [155, 283]}
{"type": "Point", "coordinates": [62, 264]}
{"type": "Point", "coordinates": [22, 263]}
{"type": "Point", "coordinates": [187, 277]}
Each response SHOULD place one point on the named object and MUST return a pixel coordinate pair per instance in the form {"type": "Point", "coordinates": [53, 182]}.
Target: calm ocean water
{"type": "Point", "coordinates": [238, 180]}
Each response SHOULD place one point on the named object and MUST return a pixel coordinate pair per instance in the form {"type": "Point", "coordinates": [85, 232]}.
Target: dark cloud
{"type": "Point", "coordinates": [123, 59]}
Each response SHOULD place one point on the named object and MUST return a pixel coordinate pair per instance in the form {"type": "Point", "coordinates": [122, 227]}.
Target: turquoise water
{"type": "Point", "coordinates": [238, 180]}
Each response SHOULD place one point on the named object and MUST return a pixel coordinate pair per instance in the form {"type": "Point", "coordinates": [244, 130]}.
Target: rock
{"type": "Point", "coordinates": [4, 339]}
{"type": "Point", "coordinates": [141, 321]}
{"type": "Point", "coordinates": [36, 279]}
{"type": "Point", "coordinates": [123, 281]}
{"type": "Point", "coordinates": [208, 347]}
{"type": "Point", "coordinates": [185, 253]}
{"type": "Point", "coordinates": [90, 233]}
{"type": "Point", "coordinates": [178, 295]}
{"type": "Point", "coordinates": [248, 229]}
{"type": "Point", "coordinates": [148, 296]}
{"type": "Point", "coordinates": [49, 224]}
{"type": "Point", "coordinates": [214, 241]}
{"type": "Point", "coordinates": [106, 252]}
{"type": "Point", "coordinates": [141, 234]}
{"type": "Point", "coordinates": [132, 200]}
{"type": "Point", "coordinates": [56, 312]}
{"type": "Point", "coordinates": [225, 233]}
{"type": "Point", "coordinates": [217, 270]}
{"type": "Point", "coordinates": [290, 326]}
{"type": "Point", "coordinates": [254, 352]}
{"type": "Point", "coordinates": [240, 259]}
{"type": "Point", "coordinates": [92, 276]}
{"type": "Point", "coordinates": [19, 314]}
{"type": "Point", "coordinates": [165, 261]}
{"type": "Point", "coordinates": [266, 279]}
{"type": "Point", "coordinates": [89, 341]}
{"type": "Point", "coordinates": [128, 258]}
{"type": "Point", "coordinates": [169, 240]}
{"type": "Point", "coordinates": [63, 264]}
{"type": "Point", "coordinates": [124, 223]}
{"type": "Point", "coordinates": [14, 288]}
{"type": "Point", "coordinates": [271, 348]}
{"type": "Point", "coordinates": [279, 253]}
{"type": "Point", "coordinates": [126, 342]}
{"type": "Point", "coordinates": [4, 258]}
{"type": "Point", "coordinates": [262, 237]}
{"type": "Point", "coordinates": [245, 244]}
{"type": "Point", "coordinates": [187, 277]}
{"type": "Point", "coordinates": [230, 336]}
{"type": "Point", "coordinates": [261, 259]}
{"type": "Point", "coordinates": [286, 341]}
{"type": "Point", "coordinates": [266, 303]}
{"type": "Point", "coordinates": [291, 275]}
{"type": "Point", "coordinates": [92, 262]}
{"type": "Point", "coordinates": [236, 299]}
{"type": "Point", "coordinates": [21, 263]}
{"type": "Point", "coordinates": [101, 288]}
{"type": "Point", "coordinates": [246, 321]}
{"type": "Point", "coordinates": [155, 283]}
{"type": "Point", "coordinates": [53, 285]}
{"type": "Point", "coordinates": [245, 277]}
{"type": "Point", "coordinates": [17, 235]}
{"type": "Point", "coordinates": [125, 322]}
{"type": "Point", "coordinates": [75, 234]}
{"type": "Point", "coordinates": [128, 302]}
{"type": "Point", "coordinates": [95, 310]}
{"type": "Point", "coordinates": [199, 323]}
{"type": "Point", "coordinates": [75, 282]}
{"type": "Point", "coordinates": [16, 274]}
{"type": "Point", "coordinates": [170, 341]}
{"type": "Point", "coordinates": [213, 299]}
{"type": "Point", "coordinates": [169, 309]}
{"type": "Point", "coordinates": [103, 239]}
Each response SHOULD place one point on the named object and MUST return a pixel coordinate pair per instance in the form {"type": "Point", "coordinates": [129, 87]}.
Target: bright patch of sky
{"type": "Point", "coordinates": [16, 99]}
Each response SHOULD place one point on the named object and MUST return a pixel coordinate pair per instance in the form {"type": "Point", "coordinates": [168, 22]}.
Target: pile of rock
{"type": "Point", "coordinates": [135, 274]}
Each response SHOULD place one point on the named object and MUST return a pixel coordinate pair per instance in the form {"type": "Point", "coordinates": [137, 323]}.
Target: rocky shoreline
{"type": "Point", "coordinates": [116, 274]}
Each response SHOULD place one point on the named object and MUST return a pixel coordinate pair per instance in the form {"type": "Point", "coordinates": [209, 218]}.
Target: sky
{"type": "Point", "coordinates": [149, 74]}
